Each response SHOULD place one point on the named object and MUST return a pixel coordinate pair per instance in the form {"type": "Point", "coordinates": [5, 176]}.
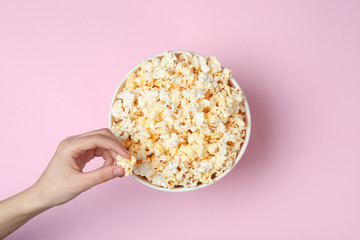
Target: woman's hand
{"type": "Point", "coordinates": [64, 178]}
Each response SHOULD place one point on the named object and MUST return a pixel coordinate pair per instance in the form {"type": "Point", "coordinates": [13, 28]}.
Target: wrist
{"type": "Point", "coordinates": [17, 210]}
{"type": "Point", "coordinates": [34, 201]}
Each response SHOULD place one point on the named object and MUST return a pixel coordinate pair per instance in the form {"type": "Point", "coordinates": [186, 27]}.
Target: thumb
{"type": "Point", "coordinates": [102, 175]}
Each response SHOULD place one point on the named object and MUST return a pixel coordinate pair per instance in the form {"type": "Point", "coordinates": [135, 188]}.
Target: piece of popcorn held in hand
{"type": "Point", "coordinates": [127, 164]}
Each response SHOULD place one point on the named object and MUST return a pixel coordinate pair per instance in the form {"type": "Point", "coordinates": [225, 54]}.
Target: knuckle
{"type": "Point", "coordinates": [64, 143]}
{"type": "Point", "coordinates": [97, 136]}
{"type": "Point", "coordinates": [69, 138]}
{"type": "Point", "coordinates": [64, 146]}
{"type": "Point", "coordinates": [106, 130]}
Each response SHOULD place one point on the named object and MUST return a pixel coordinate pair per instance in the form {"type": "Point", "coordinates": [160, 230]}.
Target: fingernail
{"type": "Point", "coordinates": [119, 172]}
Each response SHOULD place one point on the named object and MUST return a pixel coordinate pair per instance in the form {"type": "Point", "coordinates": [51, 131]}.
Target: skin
{"type": "Point", "coordinates": [64, 179]}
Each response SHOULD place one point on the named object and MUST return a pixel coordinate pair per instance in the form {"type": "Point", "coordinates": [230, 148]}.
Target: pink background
{"type": "Point", "coordinates": [297, 61]}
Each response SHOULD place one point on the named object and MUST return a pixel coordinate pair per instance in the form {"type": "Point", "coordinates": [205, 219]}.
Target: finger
{"type": "Point", "coordinates": [81, 144]}
{"type": "Point", "coordinates": [99, 152]}
{"type": "Point", "coordinates": [90, 154]}
{"type": "Point", "coordinates": [113, 154]}
{"type": "Point", "coordinates": [109, 160]}
{"type": "Point", "coordinates": [102, 175]}
{"type": "Point", "coordinates": [104, 131]}
{"type": "Point", "coordinates": [108, 155]}
{"type": "Point", "coordinates": [84, 158]}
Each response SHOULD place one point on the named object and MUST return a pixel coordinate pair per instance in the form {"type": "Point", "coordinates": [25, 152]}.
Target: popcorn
{"type": "Point", "coordinates": [179, 117]}
{"type": "Point", "coordinates": [173, 141]}
{"type": "Point", "coordinates": [127, 164]}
